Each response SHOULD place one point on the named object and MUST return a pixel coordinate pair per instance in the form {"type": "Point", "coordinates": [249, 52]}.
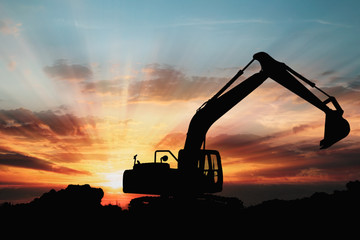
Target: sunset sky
{"type": "Point", "coordinates": [85, 85]}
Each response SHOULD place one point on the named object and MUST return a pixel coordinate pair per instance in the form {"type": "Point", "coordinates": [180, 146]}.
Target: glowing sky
{"type": "Point", "coordinates": [85, 85]}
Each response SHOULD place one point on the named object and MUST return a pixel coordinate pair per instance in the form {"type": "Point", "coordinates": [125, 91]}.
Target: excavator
{"type": "Point", "coordinates": [199, 169]}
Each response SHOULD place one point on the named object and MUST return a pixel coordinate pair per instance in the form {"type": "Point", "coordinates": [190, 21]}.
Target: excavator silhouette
{"type": "Point", "coordinates": [199, 170]}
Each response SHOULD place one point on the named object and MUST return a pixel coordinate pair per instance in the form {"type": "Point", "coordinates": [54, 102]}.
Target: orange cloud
{"type": "Point", "coordinates": [15, 159]}
{"type": "Point", "coordinates": [40, 139]}
{"type": "Point", "coordinates": [45, 124]}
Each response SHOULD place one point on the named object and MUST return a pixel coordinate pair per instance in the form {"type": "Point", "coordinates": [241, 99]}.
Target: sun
{"type": "Point", "coordinates": [114, 180]}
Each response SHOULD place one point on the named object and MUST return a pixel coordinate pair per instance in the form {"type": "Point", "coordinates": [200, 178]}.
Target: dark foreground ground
{"type": "Point", "coordinates": [78, 208]}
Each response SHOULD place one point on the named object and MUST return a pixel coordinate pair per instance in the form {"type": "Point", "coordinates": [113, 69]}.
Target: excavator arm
{"type": "Point", "coordinates": [336, 127]}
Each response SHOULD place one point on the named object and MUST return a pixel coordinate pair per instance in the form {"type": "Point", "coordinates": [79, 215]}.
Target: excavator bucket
{"type": "Point", "coordinates": [336, 128]}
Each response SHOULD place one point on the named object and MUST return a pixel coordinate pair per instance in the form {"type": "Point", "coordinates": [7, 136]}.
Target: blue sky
{"type": "Point", "coordinates": [185, 33]}
{"type": "Point", "coordinates": [196, 36]}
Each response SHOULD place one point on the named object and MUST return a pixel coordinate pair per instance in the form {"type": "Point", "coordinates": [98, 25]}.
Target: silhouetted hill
{"type": "Point", "coordinates": [339, 203]}
{"type": "Point", "coordinates": [81, 204]}
{"type": "Point", "coordinates": [74, 196]}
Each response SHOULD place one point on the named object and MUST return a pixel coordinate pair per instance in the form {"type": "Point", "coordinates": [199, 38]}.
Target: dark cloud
{"type": "Point", "coordinates": [341, 158]}
{"type": "Point", "coordinates": [45, 124]}
{"type": "Point", "coordinates": [341, 162]}
{"type": "Point", "coordinates": [65, 125]}
{"type": "Point", "coordinates": [22, 122]}
{"type": "Point", "coordinates": [14, 159]}
{"type": "Point", "coordinates": [71, 72]}
{"type": "Point", "coordinates": [254, 149]}
{"type": "Point", "coordinates": [345, 95]}
{"type": "Point", "coordinates": [327, 73]}
{"type": "Point", "coordinates": [355, 83]}
{"type": "Point", "coordinates": [227, 141]}
{"type": "Point", "coordinates": [346, 89]}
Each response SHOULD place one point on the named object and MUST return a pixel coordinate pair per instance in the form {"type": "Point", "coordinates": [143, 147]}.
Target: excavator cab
{"type": "Point", "coordinates": [206, 174]}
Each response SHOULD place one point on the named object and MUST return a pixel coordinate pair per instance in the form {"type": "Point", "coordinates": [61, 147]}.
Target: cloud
{"type": "Point", "coordinates": [251, 148]}
{"type": "Point", "coordinates": [8, 27]}
{"type": "Point", "coordinates": [212, 22]}
{"type": "Point", "coordinates": [327, 73]}
{"type": "Point", "coordinates": [14, 159]}
{"type": "Point", "coordinates": [339, 158]}
{"type": "Point", "coordinates": [311, 172]}
{"type": "Point", "coordinates": [171, 141]}
{"type": "Point", "coordinates": [165, 83]}
{"type": "Point", "coordinates": [325, 22]}
{"type": "Point", "coordinates": [44, 124]}
{"type": "Point", "coordinates": [64, 125]}
{"type": "Point", "coordinates": [346, 94]}
{"type": "Point", "coordinates": [157, 83]}
{"type": "Point", "coordinates": [103, 87]}
{"type": "Point", "coordinates": [70, 72]}
{"type": "Point", "coordinates": [50, 136]}
{"type": "Point", "coordinates": [301, 128]}
{"type": "Point", "coordinates": [274, 159]}
{"type": "Point", "coordinates": [355, 85]}
{"type": "Point", "coordinates": [22, 122]}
